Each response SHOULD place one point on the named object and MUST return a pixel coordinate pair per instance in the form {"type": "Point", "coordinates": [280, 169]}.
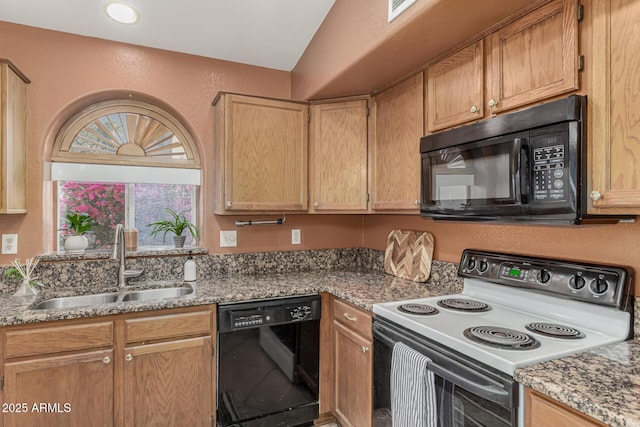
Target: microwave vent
{"type": "Point", "coordinates": [397, 7]}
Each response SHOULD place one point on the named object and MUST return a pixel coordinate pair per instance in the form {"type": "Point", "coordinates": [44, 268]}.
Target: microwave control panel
{"type": "Point", "coordinates": [550, 176]}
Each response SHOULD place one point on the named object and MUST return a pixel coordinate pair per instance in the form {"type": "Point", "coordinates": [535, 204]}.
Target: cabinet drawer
{"type": "Point", "coordinates": [353, 318]}
{"type": "Point", "coordinates": [54, 339]}
{"type": "Point", "coordinates": [169, 326]}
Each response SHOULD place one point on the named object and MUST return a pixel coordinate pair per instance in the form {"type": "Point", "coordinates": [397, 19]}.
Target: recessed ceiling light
{"type": "Point", "coordinates": [121, 13]}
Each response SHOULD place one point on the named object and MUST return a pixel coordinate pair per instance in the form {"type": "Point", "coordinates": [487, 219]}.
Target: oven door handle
{"type": "Point", "coordinates": [491, 392]}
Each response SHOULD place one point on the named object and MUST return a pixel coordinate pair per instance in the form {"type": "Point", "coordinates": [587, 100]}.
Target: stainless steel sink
{"type": "Point", "coordinates": [112, 298]}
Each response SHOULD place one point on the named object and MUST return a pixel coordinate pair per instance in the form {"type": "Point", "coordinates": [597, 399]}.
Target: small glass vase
{"type": "Point", "coordinates": [25, 290]}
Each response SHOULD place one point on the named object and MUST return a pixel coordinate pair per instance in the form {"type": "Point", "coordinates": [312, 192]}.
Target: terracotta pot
{"type": "Point", "coordinates": [76, 244]}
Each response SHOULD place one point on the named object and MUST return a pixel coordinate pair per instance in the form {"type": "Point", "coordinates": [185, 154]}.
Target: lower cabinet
{"type": "Point", "coordinates": [353, 365]}
{"type": "Point", "coordinates": [542, 411]}
{"type": "Point", "coordinates": [142, 369]}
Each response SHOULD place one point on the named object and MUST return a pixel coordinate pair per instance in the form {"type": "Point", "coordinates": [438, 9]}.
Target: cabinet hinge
{"type": "Point", "coordinates": [580, 12]}
{"type": "Point", "coordinates": [368, 197]}
{"type": "Point", "coordinates": [580, 62]}
{"type": "Point", "coordinates": [309, 116]}
{"type": "Point", "coordinates": [2, 383]}
{"type": "Point", "coordinates": [368, 111]}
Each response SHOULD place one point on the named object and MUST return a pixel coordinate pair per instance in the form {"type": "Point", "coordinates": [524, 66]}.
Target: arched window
{"type": "Point", "coordinates": [124, 161]}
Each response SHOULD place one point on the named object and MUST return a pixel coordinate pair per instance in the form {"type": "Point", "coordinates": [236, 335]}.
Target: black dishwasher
{"type": "Point", "coordinates": [268, 362]}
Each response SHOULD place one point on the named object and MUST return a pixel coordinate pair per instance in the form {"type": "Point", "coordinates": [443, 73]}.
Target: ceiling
{"type": "Point", "coordinates": [266, 33]}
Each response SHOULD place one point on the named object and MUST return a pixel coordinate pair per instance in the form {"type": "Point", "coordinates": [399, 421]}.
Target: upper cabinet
{"type": "Point", "coordinates": [338, 157]}
{"type": "Point", "coordinates": [534, 57]}
{"type": "Point", "coordinates": [13, 151]}
{"type": "Point", "coordinates": [614, 140]}
{"type": "Point", "coordinates": [395, 153]}
{"type": "Point", "coordinates": [261, 154]}
{"type": "Point", "coordinates": [455, 88]}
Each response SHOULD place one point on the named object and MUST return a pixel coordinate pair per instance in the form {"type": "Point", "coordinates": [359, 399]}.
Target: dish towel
{"type": "Point", "coordinates": [413, 391]}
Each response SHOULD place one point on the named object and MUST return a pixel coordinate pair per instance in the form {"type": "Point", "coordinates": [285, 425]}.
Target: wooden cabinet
{"type": "Point", "coordinates": [540, 411]}
{"type": "Point", "coordinates": [395, 154]}
{"type": "Point", "coordinates": [261, 154]}
{"type": "Point", "coordinates": [534, 57]}
{"type": "Point", "coordinates": [353, 365]}
{"type": "Point", "coordinates": [338, 147]}
{"type": "Point", "coordinates": [129, 370]}
{"type": "Point", "coordinates": [13, 150]}
{"type": "Point", "coordinates": [613, 104]}
{"type": "Point", "coordinates": [455, 88]}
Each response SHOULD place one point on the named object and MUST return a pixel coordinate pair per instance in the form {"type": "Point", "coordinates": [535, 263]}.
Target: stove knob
{"type": "Point", "coordinates": [543, 276]}
{"type": "Point", "coordinates": [599, 286]}
{"type": "Point", "coordinates": [484, 266]}
{"type": "Point", "coordinates": [471, 264]}
{"type": "Point", "coordinates": [576, 282]}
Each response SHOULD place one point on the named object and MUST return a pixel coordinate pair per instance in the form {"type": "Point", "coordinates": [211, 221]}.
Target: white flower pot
{"type": "Point", "coordinates": [76, 244]}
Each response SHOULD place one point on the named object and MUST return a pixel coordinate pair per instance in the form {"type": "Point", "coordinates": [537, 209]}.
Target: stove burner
{"type": "Point", "coordinates": [461, 304]}
{"type": "Point", "coordinates": [504, 338]}
{"type": "Point", "coordinates": [419, 309]}
{"type": "Point", "coordinates": [554, 330]}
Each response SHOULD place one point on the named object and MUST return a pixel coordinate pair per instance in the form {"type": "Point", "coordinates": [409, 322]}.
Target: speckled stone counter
{"type": "Point", "coordinates": [362, 287]}
{"type": "Point", "coordinates": [603, 383]}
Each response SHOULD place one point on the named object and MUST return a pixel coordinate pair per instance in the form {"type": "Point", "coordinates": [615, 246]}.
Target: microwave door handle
{"type": "Point", "coordinates": [521, 170]}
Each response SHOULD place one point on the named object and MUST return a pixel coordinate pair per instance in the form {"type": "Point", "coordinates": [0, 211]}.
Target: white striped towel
{"type": "Point", "coordinates": [413, 391]}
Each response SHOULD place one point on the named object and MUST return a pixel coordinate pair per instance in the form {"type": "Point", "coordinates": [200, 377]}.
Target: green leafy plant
{"type": "Point", "coordinates": [77, 223]}
{"type": "Point", "coordinates": [176, 225]}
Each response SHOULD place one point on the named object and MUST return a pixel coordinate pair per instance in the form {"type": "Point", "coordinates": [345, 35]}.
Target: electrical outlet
{"type": "Point", "coordinates": [295, 236]}
{"type": "Point", "coordinates": [9, 243]}
{"type": "Point", "coordinates": [228, 239]}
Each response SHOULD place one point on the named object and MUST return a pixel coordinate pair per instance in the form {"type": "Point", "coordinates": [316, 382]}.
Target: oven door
{"type": "Point", "coordinates": [483, 178]}
{"type": "Point", "coordinates": [468, 393]}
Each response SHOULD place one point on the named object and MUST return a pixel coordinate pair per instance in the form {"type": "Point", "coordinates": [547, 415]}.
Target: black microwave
{"type": "Point", "coordinates": [526, 166]}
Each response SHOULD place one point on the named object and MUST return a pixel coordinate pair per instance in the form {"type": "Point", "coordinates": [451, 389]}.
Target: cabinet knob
{"type": "Point", "coordinates": [416, 202]}
{"type": "Point", "coordinates": [350, 317]}
{"type": "Point", "coordinates": [595, 195]}
{"type": "Point", "coordinates": [474, 109]}
{"type": "Point", "coordinates": [229, 204]}
{"type": "Point", "coordinates": [106, 360]}
{"type": "Point", "coordinates": [128, 358]}
{"type": "Point", "coordinates": [316, 204]}
{"type": "Point", "coordinates": [364, 349]}
{"type": "Point", "coordinates": [492, 102]}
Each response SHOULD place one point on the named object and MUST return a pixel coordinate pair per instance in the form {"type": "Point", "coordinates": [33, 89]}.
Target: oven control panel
{"type": "Point", "coordinates": [595, 283]}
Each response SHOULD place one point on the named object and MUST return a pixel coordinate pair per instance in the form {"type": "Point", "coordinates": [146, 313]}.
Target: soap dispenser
{"type": "Point", "coordinates": [190, 269]}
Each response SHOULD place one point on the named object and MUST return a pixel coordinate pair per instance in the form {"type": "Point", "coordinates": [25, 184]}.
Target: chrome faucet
{"type": "Point", "coordinates": [119, 253]}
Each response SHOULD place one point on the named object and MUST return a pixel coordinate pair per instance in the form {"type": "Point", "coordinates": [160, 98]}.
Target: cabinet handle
{"type": "Point", "coordinates": [492, 102]}
{"type": "Point", "coordinates": [474, 108]}
{"type": "Point", "coordinates": [364, 349]}
{"type": "Point", "coordinates": [349, 317]}
{"type": "Point", "coordinates": [595, 195]}
{"type": "Point", "coordinates": [316, 204]}
{"type": "Point", "coordinates": [229, 204]}
{"type": "Point", "coordinates": [106, 360]}
{"type": "Point", "coordinates": [128, 358]}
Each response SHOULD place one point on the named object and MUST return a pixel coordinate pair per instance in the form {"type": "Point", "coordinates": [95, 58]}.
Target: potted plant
{"type": "Point", "coordinates": [177, 225]}
{"type": "Point", "coordinates": [75, 225]}
{"type": "Point", "coordinates": [28, 280]}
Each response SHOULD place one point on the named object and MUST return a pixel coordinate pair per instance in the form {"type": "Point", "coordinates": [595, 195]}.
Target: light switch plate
{"type": "Point", "coordinates": [9, 243]}
{"type": "Point", "coordinates": [295, 236]}
{"type": "Point", "coordinates": [228, 239]}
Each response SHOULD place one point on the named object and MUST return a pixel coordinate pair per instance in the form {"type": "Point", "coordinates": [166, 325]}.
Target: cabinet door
{"type": "Point", "coordinates": [265, 154]}
{"type": "Point", "coordinates": [74, 390]}
{"type": "Point", "coordinates": [396, 150]}
{"type": "Point", "coordinates": [455, 85]}
{"type": "Point", "coordinates": [169, 384]}
{"type": "Point", "coordinates": [339, 156]}
{"type": "Point", "coordinates": [543, 412]}
{"type": "Point", "coordinates": [353, 378]}
{"type": "Point", "coordinates": [535, 57]}
{"type": "Point", "coordinates": [613, 107]}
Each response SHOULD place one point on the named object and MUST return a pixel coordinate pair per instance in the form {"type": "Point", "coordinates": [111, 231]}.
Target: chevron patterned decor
{"type": "Point", "coordinates": [408, 254]}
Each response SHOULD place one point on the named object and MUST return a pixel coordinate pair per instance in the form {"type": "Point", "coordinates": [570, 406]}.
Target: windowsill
{"type": "Point", "coordinates": [143, 251]}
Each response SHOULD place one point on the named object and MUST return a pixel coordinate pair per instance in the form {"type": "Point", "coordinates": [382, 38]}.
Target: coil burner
{"type": "Point", "coordinates": [554, 330]}
{"type": "Point", "coordinates": [418, 309]}
{"type": "Point", "coordinates": [503, 338]}
{"type": "Point", "coordinates": [464, 304]}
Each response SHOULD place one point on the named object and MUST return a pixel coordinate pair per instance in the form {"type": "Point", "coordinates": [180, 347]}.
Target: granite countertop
{"type": "Point", "coordinates": [603, 383]}
{"type": "Point", "coordinates": [362, 288]}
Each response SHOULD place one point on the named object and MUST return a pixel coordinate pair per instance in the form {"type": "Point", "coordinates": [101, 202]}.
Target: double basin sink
{"type": "Point", "coordinates": [113, 298]}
